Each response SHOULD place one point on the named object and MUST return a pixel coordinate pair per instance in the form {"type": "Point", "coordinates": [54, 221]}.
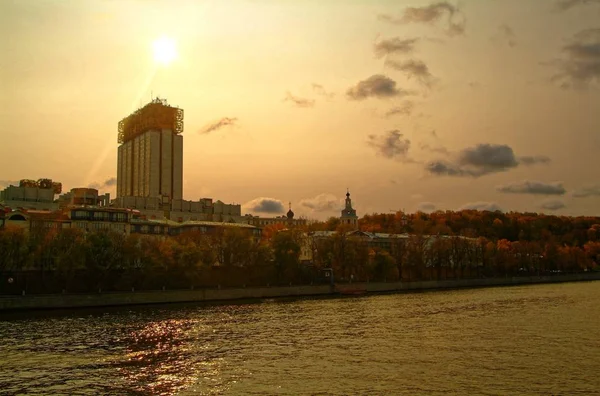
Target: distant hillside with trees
{"type": "Point", "coordinates": [512, 226]}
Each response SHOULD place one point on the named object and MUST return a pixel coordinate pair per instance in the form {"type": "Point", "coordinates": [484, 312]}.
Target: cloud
{"type": "Point", "coordinates": [320, 90]}
{"type": "Point", "coordinates": [110, 182]}
{"type": "Point", "coordinates": [413, 69]}
{"type": "Point", "coordinates": [482, 206]}
{"type": "Point", "coordinates": [426, 207]}
{"type": "Point", "coordinates": [580, 65]}
{"type": "Point", "coordinates": [376, 86]}
{"type": "Point", "coordinates": [322, 203]}
{"type": "Point", "coordinates": [390, 145]}
{"type": "Point", "coordinates": [406, 109]}
{"type": "Point", "coordinates": [480, 160]}
{"type": "Point", "coordinates": [587, 191]}
{"type": "Point", "coordinates": [492, 157]}
{"type": "Point", "coordinates": [299, 102]}
{"type": "Point", "coordinates": [431, 14]}
{"type": "Point", "coordinates": [553, 204]}
{"type": "Point", "coordinates": [223, 122]}
{"type": "Point", "coordinates": [394, 45]}
{"type": "Point", "coordinates": [533, 187]}
{"type": "Point", "coordinates": [6, 183]}
{"type": "Point", "coordinates": [439, 149]}
{"type": "Point", "coordinates": [264, 205]}
{"type": "Point", "coordinates": [534, 159]}
{"type": "Point", "coordinates": [564, 5]}
{"type": "Point", "coordinates": [505, 35]}
{"type": "Point", "coordinates": [444, 168]}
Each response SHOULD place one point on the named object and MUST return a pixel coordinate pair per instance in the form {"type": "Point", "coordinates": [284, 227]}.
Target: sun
{"type": "Point", "coordinates": [165, 50]}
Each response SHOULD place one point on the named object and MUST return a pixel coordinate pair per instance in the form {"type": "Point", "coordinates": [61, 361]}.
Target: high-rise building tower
{"type": "Point", "coordinates": [150, 156]}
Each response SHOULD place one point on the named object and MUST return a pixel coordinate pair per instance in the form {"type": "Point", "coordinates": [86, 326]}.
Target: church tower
{"type": "Point", "coordinates": [349, 216]}
{"type": "Point", "coordinates": [290, 216]}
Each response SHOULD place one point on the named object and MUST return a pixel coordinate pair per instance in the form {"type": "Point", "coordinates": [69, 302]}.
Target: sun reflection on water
{"type": "Point", "coordinates": [158, 357]}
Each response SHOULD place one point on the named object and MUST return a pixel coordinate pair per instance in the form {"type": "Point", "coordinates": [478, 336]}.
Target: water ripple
{"type": "Point", "coordinates": [536, 340]}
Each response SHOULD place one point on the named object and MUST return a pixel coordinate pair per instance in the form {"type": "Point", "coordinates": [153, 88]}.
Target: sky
{"type": "Point", "coordinates": [413, 105]}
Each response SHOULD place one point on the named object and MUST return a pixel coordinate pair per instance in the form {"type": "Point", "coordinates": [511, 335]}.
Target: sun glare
{"type": "Point", "coordinates": [165, 50]}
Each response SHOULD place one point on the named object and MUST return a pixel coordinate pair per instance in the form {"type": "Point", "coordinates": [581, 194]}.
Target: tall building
{"type": "Point", "coordinates": [150, 156]}
{"type": "Point", "coordinates": [349, 216]}
{"type": "Point", "coordinates": [150, 168]}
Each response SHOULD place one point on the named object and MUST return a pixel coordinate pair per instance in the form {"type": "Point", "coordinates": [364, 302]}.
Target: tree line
{"type": "Point", "coordinates": [437, 257]}
{"type": "Point", "coordinates": [511, 226]}
{"type": "Point", "coordinates": [71, 260]}
{"type": "Point", "coordinates": [441, 245]}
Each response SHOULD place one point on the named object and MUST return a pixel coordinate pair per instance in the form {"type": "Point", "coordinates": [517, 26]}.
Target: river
{"type": "Point", "coordinates": [525, 340]}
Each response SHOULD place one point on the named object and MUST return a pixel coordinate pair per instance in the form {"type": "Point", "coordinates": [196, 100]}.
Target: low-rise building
{"type": "Point", "coordinates": [207, 227]}
{"type": "Point", "coordinates": [165, 227]}
{"type": "Point", "coordinates": [126, 221]}
{"type": "Point", "coordinates": [181, 210]}
{"type": "Point", "coordinates": [288, 220]}
{"type": "Point", "coordinates": [16, 218]}
{"type": "Point", "coordinates": [36, 219]}
{"type": "Point", "coordinates": [29, 196]}
{"type": "Point", "coordinates": [100, 218]}
{"type": "Point", "coordinates": [83, 197]}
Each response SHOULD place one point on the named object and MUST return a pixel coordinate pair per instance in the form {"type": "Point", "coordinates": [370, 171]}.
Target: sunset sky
{"type": "Point", "coordinates": [409, 104]}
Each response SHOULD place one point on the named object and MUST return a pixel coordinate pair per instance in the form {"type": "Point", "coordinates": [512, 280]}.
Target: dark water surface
{"type": "Point", "coordinates": [534, 340]}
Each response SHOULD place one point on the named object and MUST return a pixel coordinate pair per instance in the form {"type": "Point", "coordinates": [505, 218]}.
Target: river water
{"type": "Point", "coordinates": [529, 340]}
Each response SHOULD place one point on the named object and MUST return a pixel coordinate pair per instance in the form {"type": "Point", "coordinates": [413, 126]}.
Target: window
{"type": "Point", "coordinates": [80, 214]}
{"type": "Point", "coordinates": [100, 226]}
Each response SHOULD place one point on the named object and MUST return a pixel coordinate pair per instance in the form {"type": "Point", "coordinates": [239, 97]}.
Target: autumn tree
{"type": "Point", "coordinates": [592, 252]}
{"type": "Point", "coordinates": [438, 254]}
{"type": "Point", "coordinates": [69, 249]}
{"type": "Point", "coordinates": [14, 250]}
{"type": "Point", "coordinates": [505, 259]}
{"type": "Point", "coordinates": [416, 255]}
{"type": "Point", "coordinates": [398, 251]}
{"type": "Point", "coordinates": [286, 247]}
{"type": "Point", "coordinates": [384, 266]}
{"type": "Point", "coordinates": [104, 254]}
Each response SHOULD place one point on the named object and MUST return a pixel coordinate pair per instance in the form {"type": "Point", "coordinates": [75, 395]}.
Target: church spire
{"type": "Point", "coordinates": [348, 200]}
{"type": "Point", "coordinates": [349, 213]}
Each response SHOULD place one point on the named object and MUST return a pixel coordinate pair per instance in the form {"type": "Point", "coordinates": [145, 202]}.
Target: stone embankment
{"type": "Point", "coordinates": [62, 301]}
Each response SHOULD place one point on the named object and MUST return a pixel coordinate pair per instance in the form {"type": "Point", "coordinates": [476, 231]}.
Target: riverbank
{"type": "Point", "coordinates": [63, 301]}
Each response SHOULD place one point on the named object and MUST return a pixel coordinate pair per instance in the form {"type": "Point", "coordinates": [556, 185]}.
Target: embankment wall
{"type": "Point", "coordinates": [61, 301]}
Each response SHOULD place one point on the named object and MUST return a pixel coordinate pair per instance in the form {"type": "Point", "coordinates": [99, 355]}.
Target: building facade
{"type": "Point", "coordinates": [32, 197]}
{"type": "Point", "coordinates": [124, 221]}
{"type": "Point", "coordinates": [83, 197]}
{"type": "Point", "coordinates": [150, 169]}
{"type": "Point", "coordinates": [150, 155]}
